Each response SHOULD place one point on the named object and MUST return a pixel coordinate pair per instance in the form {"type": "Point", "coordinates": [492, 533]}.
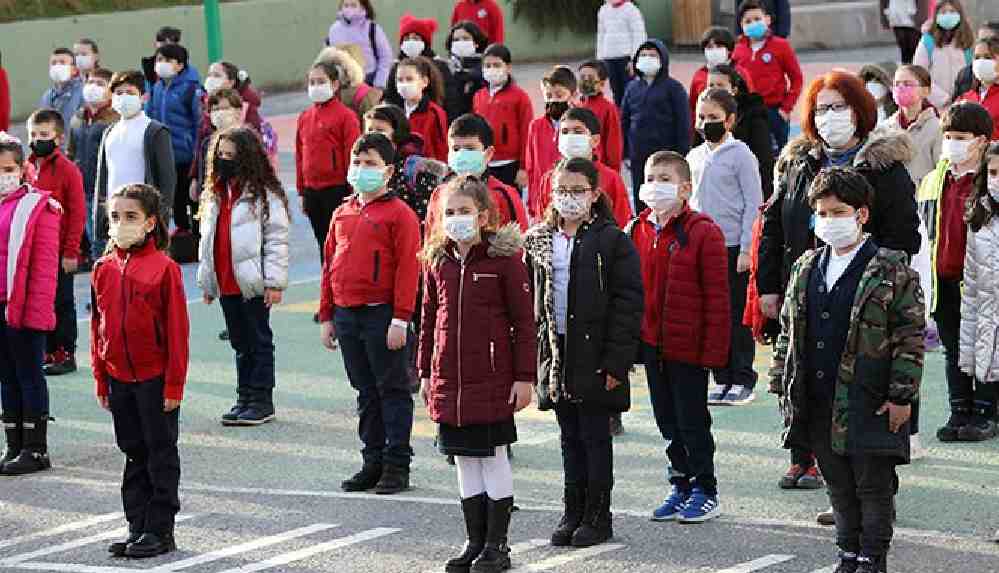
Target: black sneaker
{"type": "Point", "coordinates": [951, 431]}
{"type": "Point", "coordinates": [117, 548]}
{"type": "Point", "coordinates": [979, 429]}
{"type": "Point", "coordinates": [255, 415]}
{"type": "Point", "coordinates": [394, 479]}
{"type": "Point", "coordinates": [231, 418]}
{"type": "Point", "coordinates": [363, 480]}
{"type": "Point", "coordinates": [847, 563]}
{"type": "Point", "coordinates": [869, 565]}
{"type": "Point", "coordinates": [150, 545]}
{"type": "Point", "coordinates": [62, 363]}
{"type": "Point", "coordinates": [224, 335]}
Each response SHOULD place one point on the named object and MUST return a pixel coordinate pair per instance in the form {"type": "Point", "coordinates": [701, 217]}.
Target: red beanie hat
{"type": "Point", "coordinates": [423, 27]}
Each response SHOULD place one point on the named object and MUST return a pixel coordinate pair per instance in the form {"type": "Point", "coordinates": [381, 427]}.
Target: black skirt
{"type": "Point", "coordinates": [479, 441]}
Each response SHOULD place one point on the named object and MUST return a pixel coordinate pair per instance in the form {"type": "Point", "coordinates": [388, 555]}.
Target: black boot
{"type": "Point", "coordinates": [15, 439]}
{"type": "Point", "coordinates": [150, 545]}
{"type": "Point", "coordinates": [34, 455]}
{"type": "Point", "coordinates": [117, 548]}
{"type": "Point", "coordinates": [363, 480]}
{"type": "Point", "coordinates": [496, 556]}
{"type": "Point", "coordinates": [981, 427]}
{"type": "Point", "coordinates": [960, 416]}
{"type": "Point", "coordinates": [394, 479]}
{"type": "Point", "coordinates": [574, 500]}
{"type": "Point", "coordinates": [474, 509]}
{"type": "Point", "coordinates": [596, 525]}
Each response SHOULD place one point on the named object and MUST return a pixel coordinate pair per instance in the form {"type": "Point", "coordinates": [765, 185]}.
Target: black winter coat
{"type": "Point", "coordinates": [752, 127]}
{"type": "Point", "coordinates": [460, 88]}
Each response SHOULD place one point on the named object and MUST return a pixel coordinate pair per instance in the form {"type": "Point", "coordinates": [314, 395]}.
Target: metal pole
{"type": "Point", "coordinates": [213, 30]}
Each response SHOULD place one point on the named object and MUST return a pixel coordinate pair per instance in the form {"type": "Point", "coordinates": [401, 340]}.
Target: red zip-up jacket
{"type": "Point", "coordinates": [370, 256]}
{"type": "Point", "coordinates": [991, 103]}
{"type": "Point", "coordinates": [542, 154]}
{"type": "Point", "coordinates": [139, 330]}
{"type": "Point", "coordinates": [429, 120]}
{"type": "Point", "coordinates": [611, 148]}
{"type": "Point", "coordinates": [509, 112]}
{"type": "Point", "coordinates": [326, 133]}
{"type": "Point", "coordinates": [775, 72]}
{"type": "Point", "coordinates": [685, 275]}
{"type": "Point", "coordinates": [611, 184]}
{"type": "Point", "coordinates": [62, 178]}
{"type": "Point", "coordinates": [4, 101]}
{"type": "Point", "coordinates": [700, 82]}
{"type": "Point", "coordinates": [504, 197]}
{"type": "Point", "coordinates": [486, 14]}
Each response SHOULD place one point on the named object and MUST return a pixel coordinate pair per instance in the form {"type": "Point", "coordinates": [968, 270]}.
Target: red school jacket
{"type": "Point", "coordinates": [991, 103]}
{"type": "Point", "coordinates": [326, 133]}
{"type": "Point", "coordinates": [611, 148]}
{"type": "Point", "coordinates": [429, 120]}
{"type": "Point", "coordinates": [700, 82]}
{"type": "Point", "coordinates": [774, 69]}
{"type": "Point", "coordinates": [509, 112]}
{"type": "Point", "coordinates": [62, 178]}
{"type": "Point", "coordinates": [542, 154]}
{"type": "Point", "coordinates": [610, 183]}
{"type": "Point", "coordinates": [370, 256]}
{"type": "Point", "coordinates": [140, 330]}
{"type": "Point", "coordinates": [509, 207]}
{"type": "Point", "coordinates": [685, 274]}
{"type": "Point", "coordinates": [485, 13]}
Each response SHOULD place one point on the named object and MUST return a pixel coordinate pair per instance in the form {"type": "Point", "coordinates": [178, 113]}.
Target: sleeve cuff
{"type": "Point", "coordinates": [173, 391]}
{"type": "Point", "coordinates": [400, 323]}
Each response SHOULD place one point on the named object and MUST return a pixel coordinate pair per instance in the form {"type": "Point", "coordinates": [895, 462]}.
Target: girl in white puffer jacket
{"type": "Point", "coordinates": [244, 262]}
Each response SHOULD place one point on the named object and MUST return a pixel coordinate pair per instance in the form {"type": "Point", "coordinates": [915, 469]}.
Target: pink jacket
{"type": "Point", "coordinates": [29, 258]}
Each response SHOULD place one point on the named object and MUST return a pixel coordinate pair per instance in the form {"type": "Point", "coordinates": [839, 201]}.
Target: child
{"type": "Point", "coordinates": [354, 92]}
{"type": "Point", "coordinates": [985, 90]}
{"type": "Point", "coordinates": [225, 75]}
{"type": "Point", "coordinates": [592, 79]}
{"type": "Point", "coordinates": [486, 14]}
{"type": "Point", "coordinates": [140, 358]}
{"type": "Point", "coordinates": [979, 356]}
{"type": "Point", "coordinates": [476, 424]}
{"type": "Point", "coordinates": [653, 99]}
{"type": "Point", "coordinates": [945, 49]}
{"type": "Point", "coordinates": [165, 35]}
{"type": "Point", "coordinates": [135, 149]}
{"type": "Point", "coordinates": [780, 12]}
{"type": "Point", "coordinates": [509, 111]}
{"type": "Point", "coordinates": [848, 364]}
{"type": "Point", "coordinates": [368, 298]}
{"type": "Point", "coordinates": [60, 177]}
{"type": "Point", "coordinates": [728, 189]}
{"type": "Point", "coordinates": [356, 24]}
{"type": "Point", "coordinates": [66, 93]}
{"type": "Point", "coordinates": [416, 39]}
{"type": "Point", "coordinates": [879, 85]}
{"type": "Point", "coordinates": [465, 43]}
{"type": "Point", "coordinates": [225, 109]}
{"type": "Point", "coordinates": [87, 57]}
{"type": "Point", "coordinates": [904, 18]}
{"type": "Point", "coordinates": [588, 309]}
{"type": "Point", "coordinates": [558, 87]}
{"type": "Point", "coordinates": [772, 65]}
{"type": "Point", "coordinates": [620, 32]}
{"type": "Point", "coordinates": [918, 118]}
{"type": "Point", "coordinates": [966, 77]}
{"type": "Point", "coordinates": [27, 300]}
{"type": "Point", "coordinates": [175, 102]}
{"type": "Point", "coordinates": [244, 262]}
{"type": "Point", "coordinates": [422, 90]}
{"type": "Point", "coordinates": [579, 136]}
{"type": "Point", "coordinates": [685, 330]}
{"type": "Point", "coordinates": [326, 132]}
{"type": "Point", "coordinates": [718, 45]}
{"type": "Point", "coordinates": [942, 198]}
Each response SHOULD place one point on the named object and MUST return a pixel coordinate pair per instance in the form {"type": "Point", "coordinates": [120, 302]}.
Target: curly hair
{"type": "Point", "coordinates": [254, 169]}
{"type": "Point", "coordinates": [467, 186]}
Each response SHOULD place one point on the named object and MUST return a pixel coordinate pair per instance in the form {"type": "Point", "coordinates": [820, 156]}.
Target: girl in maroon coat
{"type": "Point", "coordinates": [477, 360]}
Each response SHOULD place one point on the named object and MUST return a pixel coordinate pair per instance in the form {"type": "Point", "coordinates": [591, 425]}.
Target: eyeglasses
{"type": "Point", "coordinates": [577, 191]}
{"type": "Point", "coordinates": [836, 107]}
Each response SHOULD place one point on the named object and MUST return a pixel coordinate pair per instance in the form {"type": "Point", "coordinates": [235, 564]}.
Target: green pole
{"type": "Point", "coordinates": [213, 30]}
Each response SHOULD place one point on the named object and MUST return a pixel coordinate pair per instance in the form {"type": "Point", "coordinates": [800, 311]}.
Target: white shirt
{"type": "Point", "coordinates": [561, 260]}
{"type": "Point", "coordinates": [410, 108]}
{"type": "Point", "coordinates": [125, 152]}
{"type": "Point", "coordinates": [838, 264]}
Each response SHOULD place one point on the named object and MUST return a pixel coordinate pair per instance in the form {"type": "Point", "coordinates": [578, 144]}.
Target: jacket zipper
{"type": "Point", "coordinates": [124, 318]}
{"type": "Point", "coordinates": [461, 291]}
{"type": "Point", "coordinates": [492, 355]}
{"type": "Point", "coordinates": [477, 276]}
{"type": "Point", "coordinates": [600, 271]}
{"type": "Point", "coordinates": [374, 277]}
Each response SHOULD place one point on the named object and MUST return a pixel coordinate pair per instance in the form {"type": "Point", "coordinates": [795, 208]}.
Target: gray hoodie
{"type": "Point", "coordinates": [727, 188]}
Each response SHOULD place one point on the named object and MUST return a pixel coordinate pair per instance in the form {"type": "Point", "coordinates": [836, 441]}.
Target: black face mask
{"type": "Point", "coordinates": [43, 147]}
{"type": "Point", "coordinates": [556, 109]}
{"type": "Point", "coordinates": [713, 131]}
{"type": "Point", "coordinates": [225, 169]}
{"type": "Point", "coordinates": [589, 88]}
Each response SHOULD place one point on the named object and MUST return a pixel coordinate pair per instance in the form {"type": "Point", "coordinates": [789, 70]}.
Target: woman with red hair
{"type": "Point", "coordinates": [838, 123]}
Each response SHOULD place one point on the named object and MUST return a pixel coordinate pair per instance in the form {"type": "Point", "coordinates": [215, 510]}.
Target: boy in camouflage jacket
{"type": "Point", "coordinates": [848, 363]}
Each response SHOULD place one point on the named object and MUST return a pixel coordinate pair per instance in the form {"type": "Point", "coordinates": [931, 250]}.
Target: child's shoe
{"type": "Point", "coordinates": [496, 555]}
{"type": "Point", "coordinates": [596, 526]}
{"type": "Point", "coordinates": [255, 415]}
{"type": "Point", "coordinates": [716, 395]}
{"type": "Point", "coordinates": [394, 480]}
{"type": "Point", "coordinates": [475, 511]}
{"type": "Point", "coordinates": [151, 545]}
{"type": "Point", "coordinates": [790, 478]}
{"type": "Point", "coordinates": [870, 565]}
{"type": "Point", "coordinates": [811, 479]}
{"type": "Point", "coordinates": [951, 431]}
{"type": "Point", "coordinates": [62, 363]}
{"type": "Point", "coordinates": [700, 507]}
{"type": "Point", "coordinates": [573, 500]}
{"type": "Point", "coordinates": [980, 428]}
{"type": "Point", "coordinates": [363, 480]}
{"type": "Point", "coordinates": [826, 517]}
{"type": "Point", "coordinates": [34, 455]}
{"type": "Point", "coordinates": [117, 548]}
{"type": "Point", "coordinates": [673, 506]}
{"type": "Point", "coordinates": [739, 395]}
{"type": "Point", "coordinates": [847, 563]}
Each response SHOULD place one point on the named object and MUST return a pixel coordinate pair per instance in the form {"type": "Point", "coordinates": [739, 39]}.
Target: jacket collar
{"type": "Point", "coordinates": [147, 247]}
{"type": "Point", "coordinates": [883, 147]}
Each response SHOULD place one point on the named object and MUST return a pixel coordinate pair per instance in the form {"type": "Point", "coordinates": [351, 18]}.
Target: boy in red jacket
{"type": "Point", "coordinates": [719, 46]}
{"type": "Point", "coordinates": [62, 178]}
{"type": "Point", "coordinates": [486, 14]}
{"type": "Point", "coordinates": [559, 89]}
{"type": "Point", "coordinates": [509, 111]}
{"type": "Point", "coordinates": [685, 330]}
{"type": "Point", "coordinates": [592, 80]}
{"type": "Point", "coordinates": [772, 65]}
{"type": "Point", "coordinates": [368, 295]}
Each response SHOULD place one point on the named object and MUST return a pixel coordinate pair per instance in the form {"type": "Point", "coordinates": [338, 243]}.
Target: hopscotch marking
{"type": "Point", "coordinates": [829, 569]}
{"type": "Point", "coordinates": [244, 547]}
{"type": "Point", "coordinates": [757, 564]}
{"type": "Point", "coordinates": [575, 555]}
{"type": "Point", "coordinates": [75, 526]}
{"type": "Point", "coordinates": [292, 556]}
{"type": "Point", "coordinates": [515, 549]}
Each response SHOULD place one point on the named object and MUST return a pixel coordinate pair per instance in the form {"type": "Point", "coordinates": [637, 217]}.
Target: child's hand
{"type": "Point", "coordinates": [102, 401]}
{"type": "Point", "coordinates": [327, 335]}
{"type": "Point", "coordinates": [742, 264]}
{"type": "Point", "coordinates": [784, 115]}
{"type": "Point", "coordinates": [170, 405]}
{"type": "Point", "coordinates": [425, 391]}
{"type": "Point", "coordinates": [612, 382]}
{"type": "Point", "coordinates": [768, 305]}
{"type": "Point", "coordinates": [897, 415]}
{"type": "Point", "coordinates": [69, 266]}
{"type": "Point", "coordinates": [396, 338]}
{"type": "Point", "coordinates": [193, 191]}
{"type": "Point", "coordinates": [521, 180]}
{"type": "Point", "coordinates": [207, 298]}
{"type": "Point", "coordinates": [520, 395]}
{"type": "Point", "coordinates": [272, 297]}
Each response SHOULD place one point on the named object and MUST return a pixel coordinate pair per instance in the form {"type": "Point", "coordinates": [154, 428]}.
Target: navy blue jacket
{"type": "Point", "coordinates": [177, 105]}
{"type": "Point", "coordinates": [655, 116]}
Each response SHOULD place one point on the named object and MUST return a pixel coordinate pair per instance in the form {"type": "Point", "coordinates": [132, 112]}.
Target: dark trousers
{"type": "Point", "coordinates": [23, 389]}
{"type": "Point", "coordinates": [249, 326]}
{"type": "Point", "coordinates": [148, 437]}
{"type": "Point", "coordinates": [618, 77]}
{"type": "Point", "coordinates": [742, 350]}
{"type": "Point", "coordinates": [587, 451]}
{"type": "Point", "coordinates": [963, 390]}
{"type": "Point", "coordinates": [638, 177]}
{"type": "Point", "coordinates": [780, 130]}
{"type": "Point", "coordinates": [384, 402]}
{"type": "Point", "coordinates": [506, 173]}
{"type": "Point", "coordinates": [907, 40]}
{"type": "Point", "coordinates": [65, 333]}
{"type": "Point", "coordinates": [861, 489]}
{"type": "Point", "coordinates": [679, 395]}
{"type": "Point", "coordinates": [183, 207]}
{"type": "Point", "coordinates": [319, 205]}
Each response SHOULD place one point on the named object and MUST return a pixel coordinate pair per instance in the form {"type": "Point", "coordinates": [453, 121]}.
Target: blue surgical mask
{"type": "Point", "coordinates": [948, 20]}
{"type": "Point", "coordinates": [366, 179]}
{"type": "Point", "coordinates": [757, 30]}
{"type": "Point", "coordinates": [467, 161]}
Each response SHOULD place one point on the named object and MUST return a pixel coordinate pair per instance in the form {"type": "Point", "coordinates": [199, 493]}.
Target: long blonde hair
{"type": "Point", "coordinates": [466, 186]}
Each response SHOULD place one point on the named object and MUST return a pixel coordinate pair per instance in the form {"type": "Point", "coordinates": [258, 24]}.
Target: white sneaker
{"type": "Point", "coordinates": [739, 396]}
{"type": "Point", "coordinates": [716, 394]}
{"type": "Point", "coordinates": [916, 449]}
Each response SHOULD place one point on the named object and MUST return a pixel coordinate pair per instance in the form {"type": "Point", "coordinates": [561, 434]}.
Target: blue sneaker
{"type": "Point", "coordinates": [700, 507]}
{"type": "Point", "coordinates": [673, 506]}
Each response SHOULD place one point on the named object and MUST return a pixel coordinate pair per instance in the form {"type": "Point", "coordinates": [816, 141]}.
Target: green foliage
{"type": "Point", "coordinates": [16, 10]}
{"type": "Point", "coordinates": [578, 16]}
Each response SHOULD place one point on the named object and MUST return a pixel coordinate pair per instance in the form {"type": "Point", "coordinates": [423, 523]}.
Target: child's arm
{"type": "Point", "coordinates": [166, 171]}
{"type": "Point", "coordinates": [636, 27]}
{"type": "Point", "coordinates": [496, 19]}
{"type": "Point", "coordinates": [969, 308]}
{"type": "Point", "coordinates": [625, 307]}
{"type": "Point", "coordinates": [681, 127]}
{"type": "Point", "coordinates": [782, 347]}
{"type": "Point", "coordinates": [74, 217]}
{"type": "Point", "coordinates": [618, 195]}
{"type": "Point", "coordinates": [178, 333]}
{"type": "Point", "coordinates": [601, 33]}
{"type": "Point", "coordinates": [752, 198]}
{"type": "Point", "coordinates": [385, 59]}
{"type": "Point", "coordinates": [407, 243]}
{"type": "Point", "coordinates": [782, 17]}
{"type": "Point", "coordinates": [327, 304]}
{"type": "Point", "coordinates": [299, 178]}
{"type": "Point", "coordinates": [350, 130]}
{"type": "Point", "coordinates": [428, 326]}
{"type": "Point", "coordinates": [520, 308]}
{"type": "Point", "coordinates": [97, 364]}
{"type": "Point", "coordinates": [792, 71]}
{"type": "Point", "coordinates": [525, 113]}
{"type": "Point", "coordinates": [714, 282]}
{"type": "Point", "coordinates": [613, 142]}
{"type": "Point", "coordinates": [275, 245]}
{"type": "Point", "coordinates": [626, 126]}
{"type": "Point", "coordinates": [906, 332]}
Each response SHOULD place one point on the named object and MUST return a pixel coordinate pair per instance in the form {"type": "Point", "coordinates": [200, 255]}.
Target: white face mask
{"type": "Point", "coordinates": [94, 94]}
{"type": "Point", "coordinates": [494, 76]}
{"type": "Point", "coordinates": [838, 232]}
{"type": "Point", "coordinates": [836, 129]}
{"type": "Point", "coordinates": [463, 48]}
{"type": "Point", "coordinates": [956, 151]}
{"type": "Point", "coordinates": [60, 73]}
{"type": "Point", "coordinates": [984, 70]}
{"type": "Point", "coordinates": [409, 91]}
{"type": "Point", "coordinates": [658, 195]}
{"type": "Point", "coordinates": [877, 90]}
{"type": "Point", "coordinates": [9, 182]}
{"type": "Point", "coordinates": [572, 145]}
{"type": "Point", "coordinates": [716, 56]}
{"type": "Point", "coordinates": [461, 228]}
{"type": "Point", "coordinates": [226, 118]}
{"type": "Point", "coordinates": [994, 188]}
{"type": "Point", "coordinates": [85, 62]}
{"type": "Point", "coordinates": [126, 235]}
{"type": "Point", "coordinates": [320, 93]}
{"type": "Point", "coordinates": [572, 207]}
{"type": "Point", "coordinates": [648, 65]}
{"type": "Point", "coordinates": [214, 84]}
{"type": "Point", "coordinates": [165, 70]}
{"type": "Point", "coordinates": [412, 48]}
{"type": "Point", "coordinates": [127, 105]}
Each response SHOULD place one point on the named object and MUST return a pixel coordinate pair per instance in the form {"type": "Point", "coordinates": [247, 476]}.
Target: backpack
{"type": "Point", "coordinates": [929, 43]}
{"type": "Point", "coordinates": [359, 94]}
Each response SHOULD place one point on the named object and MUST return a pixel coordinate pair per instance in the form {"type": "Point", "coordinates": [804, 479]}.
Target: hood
{"type": "Point", "coordinates": [505, 242]}
{"type": "Point", "coordinates": [351, 71]}
{"type": "Point", "coordinates": [884, 146]}
{"type": "Point", "coordinates": [663, 55]}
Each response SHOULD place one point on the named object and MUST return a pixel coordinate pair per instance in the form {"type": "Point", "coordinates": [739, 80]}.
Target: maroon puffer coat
{"type": "Point", "coordinates": [478, 334]}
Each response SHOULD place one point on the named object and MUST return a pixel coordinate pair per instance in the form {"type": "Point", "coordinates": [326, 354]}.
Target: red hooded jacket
{"type": "Point", "coordinates": [326, 133]}
{"type": "Point", "coordinates": [990, 103]}
{"type": "Point", "coordinates": [611, 148]}
{"type": "Point", "coordinates": [486, 14]}
{"type": "Point", "coordinates": [611, 184]}
{"type": "Point", "coordinates": [62, 178]}
{"type": "Point", "coordinates": [774, 71]}
{"type": "Point", "coordinates": [4, 101]}
{"type": "Point", "coordinates": [429, 120]}
{"type": "Point", "coordinates": [509, 113]}
{"type": "Point", "coordinates": [29, 247]}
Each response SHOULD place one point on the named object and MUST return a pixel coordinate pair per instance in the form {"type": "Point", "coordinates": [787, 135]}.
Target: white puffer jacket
{"type": "Point", "coordinates": [259, 248]}
{"type": "Point", "coordinates": [620, 31]}
{"type": "Point", "coordinates": [980, 305]}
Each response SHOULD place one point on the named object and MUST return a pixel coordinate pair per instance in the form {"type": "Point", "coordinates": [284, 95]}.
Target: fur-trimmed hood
{"type": "Point", "coordinates": [884, 146]}
{"type": "Point", "coordinates": [505, 242]}
{"type": "Point", "coordinates": [352, 71]}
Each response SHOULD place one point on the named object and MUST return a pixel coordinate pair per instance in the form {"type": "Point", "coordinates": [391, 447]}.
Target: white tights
{"type": "Point", "coordinates": [492, 476]}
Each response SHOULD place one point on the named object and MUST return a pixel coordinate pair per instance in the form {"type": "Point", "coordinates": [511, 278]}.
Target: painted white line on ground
{"type": "Point", "coordinates": [73, 568]}
{"type": "Point", "coordinates": [245, 547]}
{"type": "Point", "coordinates": [515, 549]}
{"type": "Point", "coordinates": [757, 564]}
{"type": "Point", "coordinates": [574, 555]}
{"type": "Point", "coordinates": [829, 569]}
{"type": "Point", "coordinates": [122, 532]}
{"type": "Point", "coordinates": [292, 556]}
{"type": "Point", "coordinates": [82, 524]}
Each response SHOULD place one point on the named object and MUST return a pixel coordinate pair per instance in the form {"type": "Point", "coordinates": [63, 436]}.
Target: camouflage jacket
{"type": "Point", "coordinates": [882, 359]}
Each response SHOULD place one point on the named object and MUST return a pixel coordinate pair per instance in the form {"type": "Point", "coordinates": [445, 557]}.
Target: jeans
{"type": "Point", "coordinates": [679, 396]}
{"type": "Point", "coordinates": [65, 333]}
{"type": "Point", "coordinates": [618, 77]}
{"type": "Point", "coordinates": [319, 205]}
{"type": "Point", "coordinates": [22, 383]}
{"type": "Point", "coordinates": [780, 130]}
{"type": "Point", "coordinates": [250, 336]}
{"type": "Point", "coordinates": [148, 437]}
{"type": "Point", "coordinates": [384, 402]}
{"type": "Point", "coordinates": [587, 451]}
{"type": "Point", "coordinates": [742, 350]}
